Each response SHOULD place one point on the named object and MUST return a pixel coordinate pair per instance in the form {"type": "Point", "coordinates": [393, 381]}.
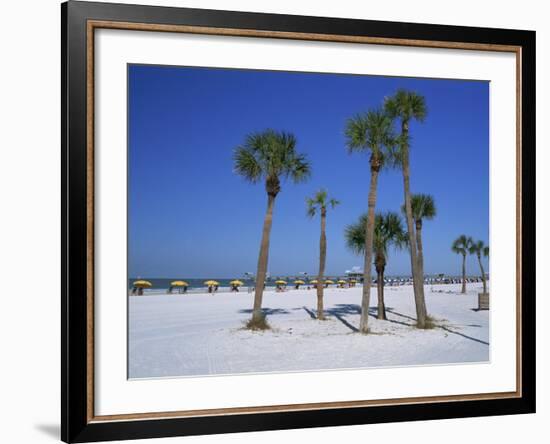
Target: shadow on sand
{"type": "Point", "coordinates": [340, 311]}
{"type": "Point", "coordinates": [267, 311]}
{"type": "Point", "coordinates": [443, 327]}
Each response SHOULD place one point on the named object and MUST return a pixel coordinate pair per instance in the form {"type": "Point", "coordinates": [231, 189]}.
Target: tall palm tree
{"type": "Point", "coordinates": [423, 208]}
{"type": "Point", "coordinates": [372, 133]}
{"type": "Point", "coordinates": [406, 106]}
{"type": "Point", "coordinates": [462, 245]}
{"type": "Point", "coordinates": [269, 156]}
{"type": "Point", "coordinates": [320, 202]}
{"type": "Point", "coordinates": [479, 248]}
{"type": "Point", "coordinates": [388, 231]}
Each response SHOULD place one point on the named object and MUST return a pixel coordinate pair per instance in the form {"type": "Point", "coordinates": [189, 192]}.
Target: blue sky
{"type": "Point", "coordinates": [191, 216]}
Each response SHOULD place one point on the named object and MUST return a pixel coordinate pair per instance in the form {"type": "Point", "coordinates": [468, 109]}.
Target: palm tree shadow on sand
{"type": "Point", "coordinates": [267, 311]}
{"type": "Point", "coordinates": [342, 310]}
{"type": "Point", "coordinates": [447, 329]}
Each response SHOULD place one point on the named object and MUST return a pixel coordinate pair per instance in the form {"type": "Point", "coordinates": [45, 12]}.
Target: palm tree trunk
{"type": "Point", "coordinates": [418, 280]}
{"type": "Point", "coordinates": [482, 274]}
{"type": "Point", "coordinates": [380, 289]}
{"type": "Point", "coordinates": [463, 274]}
{"type": "Point", "coordinates": [262, 260]}
{"type": "Point", "coordinates": [369, 236]}
{"type": "Point", "coordinates": [322, 260]}
{"type": "Point", "coordinates": [420, 250]}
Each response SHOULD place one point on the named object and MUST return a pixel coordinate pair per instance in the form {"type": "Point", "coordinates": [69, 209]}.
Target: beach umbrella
{"type": "Point", "coordinates": [328, 282]}
{"type": "Point", "coordinates": [236, 283]}
{"type": "Point", "coordinates": [299, 282]}
{"type": "Point", "coordinates": [353, 281]}
{"type": "Point", "coordinates": [179, 284]}
{"type": "Point", "coordinates": [314, 281]}
{"type": "Point", "coordinates": [142, 284]}
{"type": "Point", "coordinates": [280, 282]}
{"type": "Point", "coordinates": [341, 281]}
{"type": "Point", "coordinates": [211, 283]}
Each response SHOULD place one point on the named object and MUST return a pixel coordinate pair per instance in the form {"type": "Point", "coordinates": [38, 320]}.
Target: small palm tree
{"type": "Point", "coordinates": [406, 106]}
{"type": "Point", "coordinates": [269, 156]}
{"type": "Point", "coordinates": [388, 231]}
{"type": "Point", "coordinates": [372, 133]}
{"type": "Point", "coordinates": [320, 202]}
{"type": "Point", "coordinates": [462, 245]}
{"type": "Point", "coordinates": [423, 208]}
{"type": "Point", "coordinates": [479, 248]}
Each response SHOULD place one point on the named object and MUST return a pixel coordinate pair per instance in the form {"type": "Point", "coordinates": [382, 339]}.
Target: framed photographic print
{"type": "Point", "coordinates": [276, 221]}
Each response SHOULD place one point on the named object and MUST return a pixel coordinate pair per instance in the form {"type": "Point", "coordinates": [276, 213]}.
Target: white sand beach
{"type": "Point", "coordinates": [202, 334]}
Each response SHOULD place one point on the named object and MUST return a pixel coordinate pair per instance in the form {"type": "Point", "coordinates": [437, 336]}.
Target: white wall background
{"type": "Point", "coordinates": [30, 218]}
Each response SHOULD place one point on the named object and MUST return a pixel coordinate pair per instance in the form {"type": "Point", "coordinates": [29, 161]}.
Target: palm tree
{"type": "Point", "coordinates": [370, 132]}
{"type": "Point", "coordinates": [423, 208]}
{"type": "Point", "coordinates": [406, 106]}
{"type": "Point", "coordinates": [388, 231]}
{"type": "Point", "coordinates": [479, 248]}
{"type": "Point", "coordinates": [270, 156]}
{"type": "Point", "coordinates": [320, 202]}
{"type": "Point", "coordinates": [462, 245]}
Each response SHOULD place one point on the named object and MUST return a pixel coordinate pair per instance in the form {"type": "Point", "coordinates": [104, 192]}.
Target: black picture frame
{"type": "Point", "coordinates": [76, 424]}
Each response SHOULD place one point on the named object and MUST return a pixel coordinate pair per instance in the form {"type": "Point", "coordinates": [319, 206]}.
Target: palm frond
{"type": "Point", "coordinates": [247, 165]}
{"type": "Point", "coordinates": [406, 105]}
{"type": "Point", "coordinates": [388, 232]}
{"type": "Point", "coordinates": [462, 244]}
{"type": "Point", "coordinates": [371, 131]}
{"type": "Point", "coordinates": [356, 133]}
{"type": "Point", "coordinates": [311, 207]}
{"type": "Point", "coordinates": [272, 155]}
{"type": "Point", "coordinates": [298, 168]}
{"type": "Point", "coordinates": [423, 207]}
{"type": "Point", "coordinates": [319, 201]}
{"type": "Point", "coordinates": [354, 235]}
{"type": "Point", "coordinates": [476, 247]}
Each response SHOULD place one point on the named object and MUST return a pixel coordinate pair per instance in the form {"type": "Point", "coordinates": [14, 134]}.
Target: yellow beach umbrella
{"type": "Point", "coordinates": [299, 282]}
{"type": "Point", "coordinates": [328, 281]}
{"type": "Point", "coordinates": [179, 284]}
{"type": "Point", "coordinates": [142, 284]}
{"type": "Point", "coordinates": [280, 282]}
{"type": "Point", "coordinates": [314, 281]}
{"type": "Point", "coordinates": [236, 282]}
{"type": "Point", "coordinates": [341, 281]}
{"type": "Point", "coordinates": [211, 283]}
{"type": "Point", "coordinates": [353, 281]}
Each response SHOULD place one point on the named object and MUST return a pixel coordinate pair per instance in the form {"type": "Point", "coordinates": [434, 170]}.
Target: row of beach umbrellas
{"type": "Point", "coordinates": [210, 283]}
{"type": "Point", "coordinates": [142, 284]}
